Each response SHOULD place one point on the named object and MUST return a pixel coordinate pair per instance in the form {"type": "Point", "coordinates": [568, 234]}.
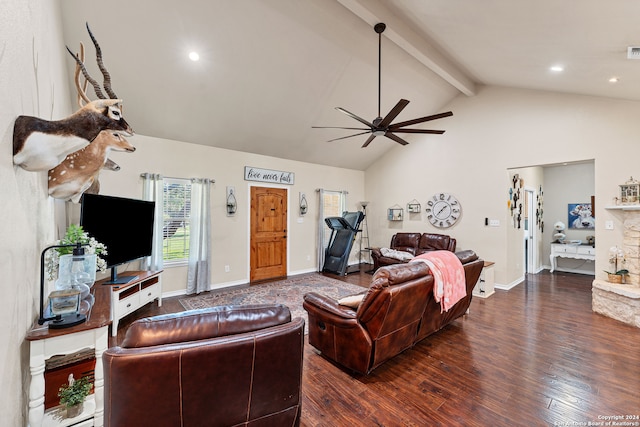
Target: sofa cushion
{"type": "Point", "coordinates": [352, 301]}
{"type": "Point", "coordinates": [433, 242]}
{"type": "Point", "coordinates": [203, 324]}
{"type": "Point", "coordinates": [405, 242]}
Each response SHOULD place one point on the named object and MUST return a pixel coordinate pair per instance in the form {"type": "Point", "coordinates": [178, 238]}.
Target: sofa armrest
{"type": "Point", "coordinates": [466, 256]}
{"type": "Point", "coordinates": [376, 252]}
{"type": "Point", "coordinates": [328, 309]}
{"type": "Point", "coordinates": [205, 323]}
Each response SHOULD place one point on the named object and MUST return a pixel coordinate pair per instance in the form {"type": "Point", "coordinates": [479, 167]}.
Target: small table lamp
{"type": "Point", "coordinates": [64, 303]}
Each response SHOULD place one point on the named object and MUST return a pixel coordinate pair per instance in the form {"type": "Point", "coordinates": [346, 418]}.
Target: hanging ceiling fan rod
{"type": "Point", "coordinates": [379, 28]}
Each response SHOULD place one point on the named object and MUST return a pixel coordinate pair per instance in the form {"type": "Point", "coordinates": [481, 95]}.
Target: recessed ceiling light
{"type": "Point", "coordinates": [194, 56]}
{"type": "Point", "coordinates": [614, 80]}
{"type": "Point", "coordinates": [557, 68]}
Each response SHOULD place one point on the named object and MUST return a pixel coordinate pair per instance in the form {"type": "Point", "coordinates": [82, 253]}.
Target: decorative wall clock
{"type": "Point", "coordinates": [443, 210]}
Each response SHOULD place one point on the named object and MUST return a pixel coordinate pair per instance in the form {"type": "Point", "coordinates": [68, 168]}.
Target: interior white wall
{"type": "Point", "coordinates": [32, 82]}
{"type": "Point", "coordinates": [564, 184]}
{"type": "Point", "coordinates": [497, 130]}
{"type": "Point", "coordinates": [230, 235]}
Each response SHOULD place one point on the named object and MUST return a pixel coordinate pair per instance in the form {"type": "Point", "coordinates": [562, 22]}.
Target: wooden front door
{"type": "Point", "coordinates": [268, 233]}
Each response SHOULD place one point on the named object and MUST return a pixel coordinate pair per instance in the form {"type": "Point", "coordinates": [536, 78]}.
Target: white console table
{"type": "Point", "coordinates": [569, 250]}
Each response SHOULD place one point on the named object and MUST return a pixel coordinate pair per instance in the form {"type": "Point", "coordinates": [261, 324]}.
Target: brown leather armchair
{"type": "Point", "coordinates": [396, 312]}
{"type": "Point", "coordinates": [413, 243]}
{"type": "Point", "coordinates": [224, 366]}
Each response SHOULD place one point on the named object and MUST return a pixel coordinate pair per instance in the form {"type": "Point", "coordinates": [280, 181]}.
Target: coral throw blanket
{"type": "Point", "coordinates": [448, 276]}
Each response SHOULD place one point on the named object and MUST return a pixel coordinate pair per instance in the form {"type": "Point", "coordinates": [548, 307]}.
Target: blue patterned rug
{"type": "Point", "coordinates": [289, 292]}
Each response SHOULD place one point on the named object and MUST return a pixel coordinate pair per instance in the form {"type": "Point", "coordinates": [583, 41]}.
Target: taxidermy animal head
{"type": "Point", "coordinates": [80, 170]}
{"type": "Point", "coordinates": [40, 144]}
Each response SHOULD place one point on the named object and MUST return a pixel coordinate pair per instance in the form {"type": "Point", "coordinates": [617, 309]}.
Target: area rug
{"type": "Point", "coordinates": [289, 292]}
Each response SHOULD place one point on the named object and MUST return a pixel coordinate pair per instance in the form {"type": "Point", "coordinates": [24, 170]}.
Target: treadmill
{"type": "Point", "coordinates": [343, 233]}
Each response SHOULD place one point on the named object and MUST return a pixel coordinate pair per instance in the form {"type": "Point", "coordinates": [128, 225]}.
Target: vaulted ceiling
{"type": "Point", "coordinates": [269, 70]}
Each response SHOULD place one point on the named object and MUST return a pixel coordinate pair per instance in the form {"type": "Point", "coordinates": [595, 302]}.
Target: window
{"type": "Point", "coordinates": [176, 212]}
{"type": "Point", "coordinates": [333, 205]}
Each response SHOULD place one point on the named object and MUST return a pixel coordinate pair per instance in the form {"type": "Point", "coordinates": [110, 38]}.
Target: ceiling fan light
{"type": "Point", "coordinates": [379, 132]}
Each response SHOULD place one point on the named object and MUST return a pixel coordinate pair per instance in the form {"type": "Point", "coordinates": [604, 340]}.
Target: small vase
{"type": "Point", "coordinates": [615, 278]}
{"type": "Point", "coordinates": [75, 410]}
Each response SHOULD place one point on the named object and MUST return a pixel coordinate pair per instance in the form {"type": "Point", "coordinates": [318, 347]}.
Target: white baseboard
{"type": "Point", "coordinates": [509, 285]}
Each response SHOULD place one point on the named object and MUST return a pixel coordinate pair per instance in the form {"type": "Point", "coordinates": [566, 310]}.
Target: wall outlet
{"type": "Point", "coordinates": [308, 257]}
{"type": "Point", "coordinates": [494, 223]}
{"type": "Point", "coordinates": [608, 225]}
{"type": "Point", "coordinates": [227, 269]}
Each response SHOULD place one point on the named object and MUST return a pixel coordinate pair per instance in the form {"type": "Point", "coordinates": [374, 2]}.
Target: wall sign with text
{"type": "Point", "coordinates": [267, 175]}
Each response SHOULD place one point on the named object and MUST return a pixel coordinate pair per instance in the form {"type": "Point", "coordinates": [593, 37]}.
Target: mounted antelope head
{"type": "Point", "coordinates": [80, 170]}
{"type": "Point", "coordinates": [40, 144]}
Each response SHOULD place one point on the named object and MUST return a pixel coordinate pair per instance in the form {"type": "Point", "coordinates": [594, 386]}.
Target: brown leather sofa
{"type": "Point", "coordinates": [224, 366]}
{"type": "Point", "coordinates": [414, 243]}
{"type": "Point", "coordinates": [397, 311]}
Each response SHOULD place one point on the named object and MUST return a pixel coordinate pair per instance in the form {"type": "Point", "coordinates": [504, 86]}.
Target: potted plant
{"type": "Point", "coordinates": [616, 257]}
{"type": "Point", "coordinates": [75, 234]}
{"type": "Point", "coordinates": [73, 394]}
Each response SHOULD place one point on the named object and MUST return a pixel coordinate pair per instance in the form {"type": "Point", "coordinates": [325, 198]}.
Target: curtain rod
{"type": "Point", "coordinates": [144, 174]}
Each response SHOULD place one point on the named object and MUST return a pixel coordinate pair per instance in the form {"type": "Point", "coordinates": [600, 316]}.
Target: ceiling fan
{"type": "Point", "coordinates": [383, 126]}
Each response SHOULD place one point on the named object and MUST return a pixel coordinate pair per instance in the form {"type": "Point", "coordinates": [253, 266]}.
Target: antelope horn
{"type": "Point", "coordinates": [103, 69]}
{"type": "Point", "coordinates": [82, 89]}
{"type": "Point", "coordinates": [85, 73]}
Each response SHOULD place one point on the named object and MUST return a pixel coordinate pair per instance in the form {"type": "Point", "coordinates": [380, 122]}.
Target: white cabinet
{"type": "Point", "coordinates": [127, 298]}
{"type": "Point", "coordinates": [568, 250]}
{"type": "Point", "coordinates": [486, 283]}
{"type": "Point", "coordinates": [45, 343]}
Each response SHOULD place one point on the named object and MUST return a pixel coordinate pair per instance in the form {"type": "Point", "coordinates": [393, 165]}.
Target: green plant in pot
{"type": "Point", "coordinates": [73, 394]}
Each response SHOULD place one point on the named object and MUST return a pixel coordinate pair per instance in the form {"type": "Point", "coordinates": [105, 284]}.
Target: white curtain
{"type": "Point", "coordinates": [321, 243]}
{"type": "Point", "coordinates": [198, 275]}
{"type": "Point", "coordinates": [153, 190]}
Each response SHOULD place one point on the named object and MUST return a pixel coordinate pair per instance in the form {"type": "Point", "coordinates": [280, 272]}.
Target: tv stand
{"type": "Point", "coordinates": [118, 280]}
{"type": "Point", "coordinates": [127, 297]}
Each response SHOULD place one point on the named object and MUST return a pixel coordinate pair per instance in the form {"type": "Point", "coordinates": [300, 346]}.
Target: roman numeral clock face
{"type": "Point", "coordinates": [443, 210]}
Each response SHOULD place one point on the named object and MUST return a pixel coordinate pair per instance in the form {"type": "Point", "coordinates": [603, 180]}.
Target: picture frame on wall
{"type": "Point", "coordinates": [581, 216]}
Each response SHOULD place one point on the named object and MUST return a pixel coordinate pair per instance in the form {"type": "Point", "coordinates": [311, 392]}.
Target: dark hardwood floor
{"type": "Point", "coordinates": [532, 356]}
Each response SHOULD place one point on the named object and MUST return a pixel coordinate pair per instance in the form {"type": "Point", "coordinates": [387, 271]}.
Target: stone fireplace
{"type": "Point", "coordinates": [622, 301]}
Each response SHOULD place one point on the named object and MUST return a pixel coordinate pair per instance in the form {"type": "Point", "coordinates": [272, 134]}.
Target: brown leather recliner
{"type": "Point", "coordinates": [396, 312]}
{"type": "Point", "coordinates": [413, 243]}
{"type": "Point", "coordinates": [224, 366]}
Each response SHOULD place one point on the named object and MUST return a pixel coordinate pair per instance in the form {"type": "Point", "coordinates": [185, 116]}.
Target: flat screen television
{"type": "Point", "coordinates": [124, 225]}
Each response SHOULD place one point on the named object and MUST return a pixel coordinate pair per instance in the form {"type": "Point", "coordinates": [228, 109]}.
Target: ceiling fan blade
{"type": "Point", "coordinates": [393, 113]}
{"type": "Point", "coordinates": [360, 119]}
{"type": "Point", "coordinates": [337, 127]}
{"type": "Point", "coordinates": [368, 141]}
{"type": "Point", "coordinates": [420, 120]}
{"type": "Point", "coordinates": [396, 138]}
{"type": "Point", "coordinates": [436, 132]}
{"type": "Point", "coordinates": [349, 136]}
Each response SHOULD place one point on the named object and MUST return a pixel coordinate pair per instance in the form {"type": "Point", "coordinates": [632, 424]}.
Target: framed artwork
{"type": "Point", "coordinates": [581, 216]}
